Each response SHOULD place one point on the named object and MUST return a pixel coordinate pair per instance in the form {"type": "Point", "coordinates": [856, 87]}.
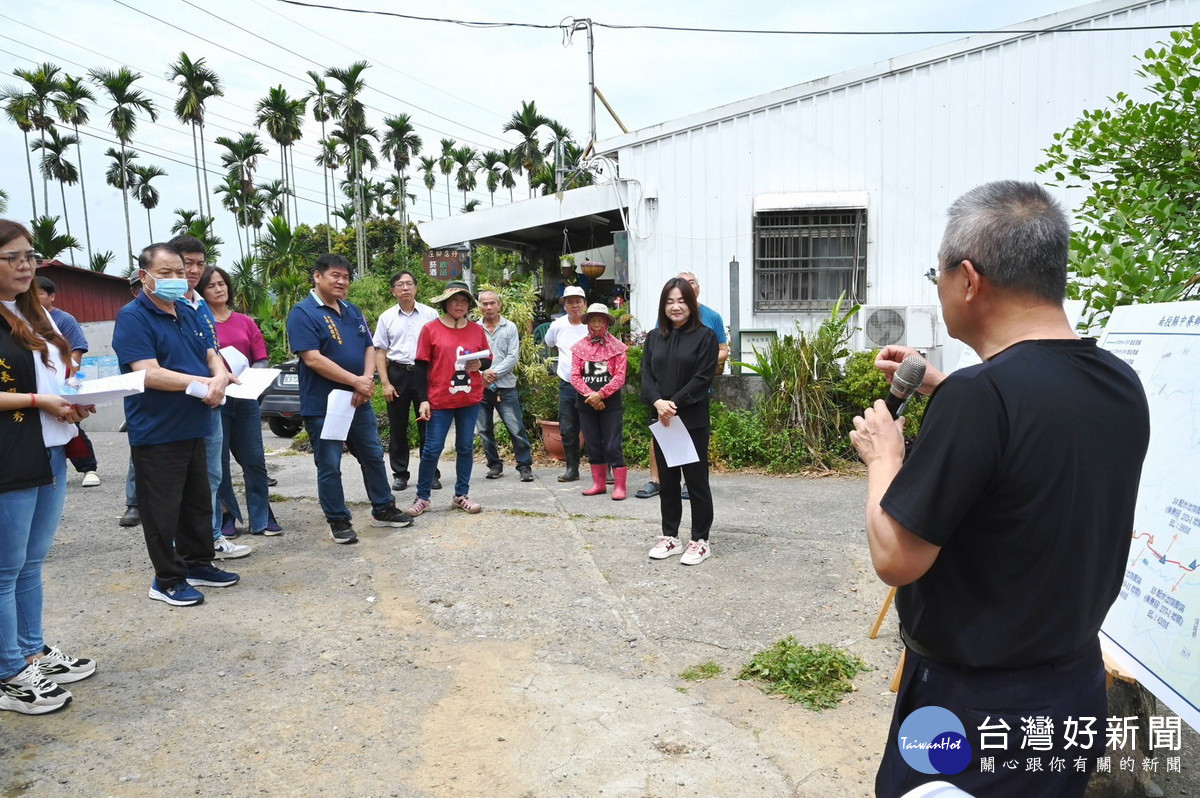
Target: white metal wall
{"type": "Point", "coordinates": [913, 139]}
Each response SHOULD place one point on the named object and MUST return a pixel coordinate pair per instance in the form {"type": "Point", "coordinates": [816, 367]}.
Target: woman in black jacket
{"type": "Point", "coordinates": [678, 363]}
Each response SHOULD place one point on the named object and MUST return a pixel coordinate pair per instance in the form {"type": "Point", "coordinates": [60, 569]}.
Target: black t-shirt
{"type": "Point", "coordinates": [23, 459]}
{"type": "Point", "coordinates": [1025, 473]}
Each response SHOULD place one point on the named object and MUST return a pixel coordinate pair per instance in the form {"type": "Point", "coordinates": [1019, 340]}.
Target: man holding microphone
{"type": "Point", "coordinates": [1007, 528]}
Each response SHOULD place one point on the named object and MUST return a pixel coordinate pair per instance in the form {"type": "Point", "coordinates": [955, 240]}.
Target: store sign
{"type": "Point", "coordinates": [444, 264]}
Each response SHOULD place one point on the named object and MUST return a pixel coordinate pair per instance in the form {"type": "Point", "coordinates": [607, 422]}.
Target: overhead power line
{"type": "Point", "coordinates": [749, 31]}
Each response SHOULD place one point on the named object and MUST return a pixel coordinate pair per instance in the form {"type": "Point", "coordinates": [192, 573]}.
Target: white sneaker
{"type": "Point", "coordinates": [90, 480]}
{"type": "Point", "coordinates": [31, 693]}
{"type": "Point", "coordinates": [665, 547]}
{"type": "Point", "coordinates": [225, 549]}
{"type": "Point", "coordinates": [697, 552]}
{"type": "Point", "coordinates": [61, 669]}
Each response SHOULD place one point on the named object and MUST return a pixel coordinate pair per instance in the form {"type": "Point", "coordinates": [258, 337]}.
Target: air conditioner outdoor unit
{"type": "Point", "coordinates": [906, 325]}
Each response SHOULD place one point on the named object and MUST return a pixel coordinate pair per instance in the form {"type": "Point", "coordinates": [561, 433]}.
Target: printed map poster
{"type": "Point", "coordinates": [1152, 629]}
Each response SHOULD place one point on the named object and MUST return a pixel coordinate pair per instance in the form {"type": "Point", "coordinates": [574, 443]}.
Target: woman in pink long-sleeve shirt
{"type": "Point", "coordinates": [598, 373]}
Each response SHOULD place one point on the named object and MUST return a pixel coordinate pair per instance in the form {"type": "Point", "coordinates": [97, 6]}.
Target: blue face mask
{"type": "Point", "coordinates": [169, 289]}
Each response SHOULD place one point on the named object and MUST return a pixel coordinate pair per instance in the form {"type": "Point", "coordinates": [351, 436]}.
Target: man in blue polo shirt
{"type": "Point", "coordinates": [336, 352]}
{"type": "Point", "coordinates": [167, 425]}
{"type": "Point", "coordinates": [713, 321]}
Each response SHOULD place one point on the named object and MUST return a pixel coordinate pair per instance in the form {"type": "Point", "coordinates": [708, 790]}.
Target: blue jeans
{"type": "Point", "coordinates": [241, 435]}
{"type": "Point", "coordinates": [212, 446]}
{"type": "Point", "coordinates": [568, 421]}
{"type": "Point", "coordinates": [29, 519]}
{"type": "Point", "coordinates": [506, 401]}
{"type": "Point", "coordinates": [363, 441]}
{"type": "Point", "coordinates": [435, 440]}
{"type": "Point", "coordinates": [130, 486]}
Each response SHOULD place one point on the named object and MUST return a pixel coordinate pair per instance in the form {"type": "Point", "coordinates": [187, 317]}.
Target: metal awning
{"type": "Point", "coordinates": [590, 215]}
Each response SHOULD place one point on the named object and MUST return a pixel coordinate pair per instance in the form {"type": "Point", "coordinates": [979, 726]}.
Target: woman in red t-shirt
{"type": "Point", "coordinates": [451, 389]}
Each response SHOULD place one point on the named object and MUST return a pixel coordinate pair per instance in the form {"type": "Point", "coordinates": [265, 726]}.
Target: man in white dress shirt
{"type": "Point", "coordinates": [395, 342]}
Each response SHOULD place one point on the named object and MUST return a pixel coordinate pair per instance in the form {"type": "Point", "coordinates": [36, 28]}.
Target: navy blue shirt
{"type": "Point", "coordinates": [178, 343]}
{"type": "Point", "coordinates": [342, 337]}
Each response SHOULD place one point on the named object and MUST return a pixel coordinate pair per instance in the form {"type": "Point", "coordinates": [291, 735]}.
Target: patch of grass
{"type": "Point", "coordinates": [593, 517]}
{"type": "Point", "coordinates": [816, 676]}
{"type": "Point", "coordinates": [698, 673]}
{"type": "Point", "coordinates": [528, 513]}
{"type": "Point", "coordinates": [278, 497]}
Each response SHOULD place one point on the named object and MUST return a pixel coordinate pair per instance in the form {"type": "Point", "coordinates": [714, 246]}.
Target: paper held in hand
{"type": "Point", "coordinates": [339, 412]}
{"type": "Point", "coordinates": [466, 357]}
{"type": "Point", "coordinates": [675, 442]}
{"type": "Point", "coordinates": [105, 391]}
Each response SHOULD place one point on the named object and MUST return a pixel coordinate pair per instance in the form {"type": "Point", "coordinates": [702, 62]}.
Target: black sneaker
{"type": "Point", "coordinates": [437, 483]}
{"type": "Point", "coordinates": [390, 516]}
{"type": "Point", "coordinates": [399, 484]}
{"type": "Point", "coordinates": [342, 532]}
{"type": "Point", "coordinates": [495, 472]}
{"type": "Point", "coordinates": [210, 576]}
{"type": "Point", "coordinates": [526, 473]}
{"type": "Point", "coordinates": [131, 517]}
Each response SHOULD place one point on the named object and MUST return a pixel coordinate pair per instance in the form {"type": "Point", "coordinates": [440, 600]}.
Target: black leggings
{"type": "Point", "coordinates": [669, 496]}
{"type": "Point", "coordinates": [602, 431]}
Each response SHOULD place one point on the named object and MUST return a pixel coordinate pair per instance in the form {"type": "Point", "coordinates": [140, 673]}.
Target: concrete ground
{"type": "Point", "coordinates": [531, 650]}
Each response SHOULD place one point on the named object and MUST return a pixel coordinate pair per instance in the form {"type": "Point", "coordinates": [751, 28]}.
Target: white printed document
{"type": "Point", "coordinates": [675, 442]}
{"type": "Point", "coordinates": [252, 383]}
{"type": "Point", "coordinates": [339, 412]}
{"type": "Point", "coordinates": [105, 391]}
{"type": "Point", "coordinates": [199, 390]}
{"type": "Point", "coordinates": [467, 357]}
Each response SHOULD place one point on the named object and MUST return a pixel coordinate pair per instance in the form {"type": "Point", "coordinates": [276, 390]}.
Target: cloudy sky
{"type": "Point", "coordinates": [455, 81]}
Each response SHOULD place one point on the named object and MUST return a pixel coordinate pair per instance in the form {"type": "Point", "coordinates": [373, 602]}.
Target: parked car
{"type": "Point", "coordinates": [281, 401]}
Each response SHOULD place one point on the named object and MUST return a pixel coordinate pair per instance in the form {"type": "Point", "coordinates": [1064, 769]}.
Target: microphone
{"type": "Point", "coordinates": [905, 382]}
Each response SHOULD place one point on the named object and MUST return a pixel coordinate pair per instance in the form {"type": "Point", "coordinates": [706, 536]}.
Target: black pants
{"type": "Point", "coordinates": [670, 497]}
{"type": "Point", "coordinates": [602, 431]}
{"type": "Point", "coordinates": [176, 506]}
{"type": "Point", "coordinates": [404, 406]}
{"type": "Point", "coordinates": [996, 698]}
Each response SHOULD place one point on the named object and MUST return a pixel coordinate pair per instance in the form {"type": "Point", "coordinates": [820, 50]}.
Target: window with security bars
{"type": "Point", "coordinates": [805, 259]}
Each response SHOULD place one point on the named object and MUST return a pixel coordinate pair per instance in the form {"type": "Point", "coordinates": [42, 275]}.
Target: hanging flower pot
{"type": "Point", "coordinates": [593, 268]}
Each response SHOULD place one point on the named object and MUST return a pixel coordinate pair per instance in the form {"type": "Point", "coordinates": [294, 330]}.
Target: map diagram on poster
{"type": "Point", "coordinates": [1152, 629]}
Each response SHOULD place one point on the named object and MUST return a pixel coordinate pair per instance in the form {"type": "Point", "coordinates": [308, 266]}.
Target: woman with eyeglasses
{"type": "Point", "coordinates": [35, 425]}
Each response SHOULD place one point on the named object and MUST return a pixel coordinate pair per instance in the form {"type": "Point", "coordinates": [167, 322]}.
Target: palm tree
{"type": "Point", "coordinates": [43, 85]}
{"type": "Point", "coordinates": [346, 214]}
{"type": "Point", "coordinates": [127, 102]}
{"type": "Point", "coordinates": [526, 123]}
{"type": "Point", "coordinates": [120, 172]}
{"type": "Point", "coordinates": [471, 206]}
{"type": "Point", "coordinates": [330, 161]}
{"type": "Point", "coordinates": [397, 189]}
{"type": "Point", "coordinates": [322, 111]}
{"type": "Point", "coordinates": [401, 143]}
{"type": "Point", "coordinates": [429, 165]}
{"type": "Point", "coordinates": [492, 162]}
{"type": "Point", "coordinates": [284, 260]}
{"type": "Point", "coordinates": [99, 261]}
{"type": "Point", "coordinates": [47, 243]}
{"type": "Point", "coordinates": [197, 85]}
{"type": "Point", "coordinates": [240, 160]}
{"type": "Point", "coordinates": [446, 166]}
{"type": "Point", "coordinates": [349, 111]}
{"type": "Point", "coordinates": [465, 159]}
{"type": "Point", "coordinates": [145, 193]}
{"type": "Point", "coordinates": [249, 291]}
{"type": "Point", "coordinates": [17, 109]}
{"type": "Point", "coordinates": [56, 166]}
{"type": "Point", "coordinates": [69, 104]}
{"type": "Point", "coordinates": [275, 197]}
{"type": "Point", "coordinates": [282, 116]}
{"type": "Point", "coordinates": [3, 201]}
